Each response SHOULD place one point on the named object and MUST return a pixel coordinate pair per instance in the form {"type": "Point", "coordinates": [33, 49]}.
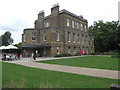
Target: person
{"type": "Point", "coordinates": [4, 56]}
{"type": "Point", "coordinates": [81, 52]}
{"type": "Point", "coordinates": [34, 55]}
{"type": "Point", "coordinates": [18, 54]}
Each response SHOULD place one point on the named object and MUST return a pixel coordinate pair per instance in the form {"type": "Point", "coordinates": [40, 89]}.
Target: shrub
{"type": "Point", "coordinates": [92, 53]}
{"type": "Point", "coordinates": [58, 55]}
{"type": "Point", "coordinates": [115, 54]}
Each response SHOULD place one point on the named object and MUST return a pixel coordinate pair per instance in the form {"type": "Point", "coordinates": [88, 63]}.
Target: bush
{"type": "Point", "coordinates": [107, 53]}
{"type": "Point", "coordinates": [92, 53]}
{"type": "Point", "coordinates": [58, 55]}
{"type": "Point", "coordinates": [115, 54]}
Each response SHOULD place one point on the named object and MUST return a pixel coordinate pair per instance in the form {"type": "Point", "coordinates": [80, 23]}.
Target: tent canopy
{"type": "Point", "coordinates": [11, 47]}
{"type": "Point", "coordinates": [8, 47]}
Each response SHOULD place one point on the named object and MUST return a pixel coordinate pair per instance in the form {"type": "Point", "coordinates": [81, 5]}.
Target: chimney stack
{"type": "Point", "coordinates": [41, 14]}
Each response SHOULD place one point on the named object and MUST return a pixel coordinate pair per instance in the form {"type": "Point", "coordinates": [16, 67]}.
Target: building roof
{"type": "Point", "coordinates": [67, 12]}
{"type": "Point", "coordinates": [72, 14]}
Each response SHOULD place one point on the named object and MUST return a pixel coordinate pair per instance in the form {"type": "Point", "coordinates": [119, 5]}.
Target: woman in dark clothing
{"type": "Point", "coordinates": [34, 55]}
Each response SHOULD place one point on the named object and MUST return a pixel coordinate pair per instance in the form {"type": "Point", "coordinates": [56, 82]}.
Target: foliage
{"type": "Point", "coordinates": [105, 35]}
{"type": "Point", "coordinates": [6, 38]}
{"type": "Point", "coordinates": [18, 45]}
{"type": "Point", "coordinates": [99, 62]}
{"type": "Point", "coordinates": [115, 54]}
{"type": "Point", "coordinates": [58, 55]}
{"type": "Point", "coordinates": [31, 78]}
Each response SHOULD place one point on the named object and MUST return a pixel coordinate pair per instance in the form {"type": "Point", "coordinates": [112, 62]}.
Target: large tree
{"type": "Point", "coordinates": [6, 39]}
{"type": "Point", "coordinates": [105, 35]}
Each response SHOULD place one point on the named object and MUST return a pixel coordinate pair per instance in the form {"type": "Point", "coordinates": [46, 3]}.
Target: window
{"type": "Point", "coordinates": [44, 51]}
{"type": "Point", "coordinates": [44, 36]}
{"type": "Point", "coordinates": [33, 36]}
{"type": "Point", "coordinates": [58, 50]}
{"type": "Point", "coordinates": [82, 41]}
{"type": "Point", "coordinates": [68, 37]}
{"type": "Point", "coordinates": [85, 41]}
{"type": "Point", "coordinates": [77, 25]}
{"type": "Point", "coordinates": [24, 38]}
{"type": "Point", "coordinates": [68, 22]}
{"type": "Point", "coordinates": [74, 50]}
{"type": "Point", "coordinates": [83, 50]}
{"type": "Point", "coordinates": [73, 24]}
{"type": "Point", "coordinates": [57, 36]}
{"type": "Point", "coordinates": [81, 26]}
{"type": "Point", "coordinates": [78, 38]}
{"type": "Point", "coordinates": [74, 39]}
{"type": "Point", "coordinates": [85, 28]}
{"type": "Point", "coordinates": [69, 50]}
{"type": "Point", "coordinates": [46, 24]}
{"type": "Point", "coordinates": [91, 50]}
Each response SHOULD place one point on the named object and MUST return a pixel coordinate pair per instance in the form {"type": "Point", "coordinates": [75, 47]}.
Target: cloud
{"type": "Point", "coordinates": [14, 25]}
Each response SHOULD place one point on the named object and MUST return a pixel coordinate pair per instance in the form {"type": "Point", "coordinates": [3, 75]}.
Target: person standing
{"type": "Point", "coordinates": [34, 55]}
{"type": "Point", "coordinates": [81, 52]}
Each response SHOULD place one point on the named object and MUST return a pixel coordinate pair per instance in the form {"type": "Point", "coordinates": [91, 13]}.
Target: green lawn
{"type": "Point", "coordinates": [90, 61]}
{"type": "Point", "coordinates": [26, 77]}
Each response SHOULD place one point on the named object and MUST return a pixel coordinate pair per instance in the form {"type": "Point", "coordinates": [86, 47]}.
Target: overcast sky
{"type": "Point", "coordinates": [17, 15]}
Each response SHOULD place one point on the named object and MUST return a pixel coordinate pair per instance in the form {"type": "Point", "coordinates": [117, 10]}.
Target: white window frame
{"type": "Point", "coordinates": [68, 22]}
{"type": "Point", "coordinates": [33, 36]}
{"type": "Point", "coordinates": [74, 50]}
{"type": "Point", "coordinates": [44, 36]}
{"type": "Point", "coordinates": [81, 26]}
{"type": "Point", "coordinates": [24, 38]}
{"type": "Point", "coordinates": [69, 50]}
{"type": "Point", "coordinates": [47, 24]}
{"type": "Point", "coordinates": [58, 50]}
{"type": "Point", "coordinates": [44, 51]}
{"type": "Point", "coordinates": [73, 24]}
{"type": "Point", "coordinates": [68, 36]}
{"type": "Point", "coordinates": [74, 37]}
{"type": "Point", "coordinates": [85, 27]}
{"type": "Point", "coordinates": [78, 38]}
{"type": "Point", "coordinates": [57, 36]}
{"type": "Point", "coordinates": [77, 25]}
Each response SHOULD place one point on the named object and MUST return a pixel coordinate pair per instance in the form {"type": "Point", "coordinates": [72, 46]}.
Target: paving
{"type": "Point", "coordinates": [29, 62]}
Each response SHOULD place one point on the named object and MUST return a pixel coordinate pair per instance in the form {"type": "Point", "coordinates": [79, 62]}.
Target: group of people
{"type": "Point", "coordinates": [10, 56]}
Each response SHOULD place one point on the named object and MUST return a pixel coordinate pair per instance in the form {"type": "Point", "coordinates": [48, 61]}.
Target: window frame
{"type": "Point", "coordinates": [33, 36]}
{"type": "Point", "coordinates": [68, 34]}
{"type": "Point", "coordinates": [44, 36]}
{"type": "Point", "coordinates": [73, 24]}
{"type": "Point", "coordinates": [78, 25]}
{"type": "Point", "coordinates": [57, 36]}
{"type": "Point", "coordinates": [68, 22]}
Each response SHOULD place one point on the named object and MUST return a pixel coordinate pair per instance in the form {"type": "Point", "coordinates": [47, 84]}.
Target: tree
{"type": "Point", "coordinates": [19, 45]}
{"type": "Point", "coordinates": [104, 35]}
{"type": "Point", "coordinates": [6, 38]}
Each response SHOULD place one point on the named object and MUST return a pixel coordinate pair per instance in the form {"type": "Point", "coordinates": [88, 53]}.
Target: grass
{"type": "Point", "coordinates": [0, 75]}
{"type": "Point", "coordinates": [20, 76]}
{"type": "Point", "coordinates": [99, 62]}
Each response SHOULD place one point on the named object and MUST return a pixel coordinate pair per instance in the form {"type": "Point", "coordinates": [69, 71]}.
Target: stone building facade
{"type": "Point", "coordinates": [62, 32]}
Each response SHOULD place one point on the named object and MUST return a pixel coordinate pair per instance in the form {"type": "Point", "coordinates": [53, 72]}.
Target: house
{"type": "Point", "coordinates": [62, 32]}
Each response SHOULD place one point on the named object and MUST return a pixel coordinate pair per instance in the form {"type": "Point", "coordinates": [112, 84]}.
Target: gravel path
{"type": "Point", "coordinates": [69, 69]}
